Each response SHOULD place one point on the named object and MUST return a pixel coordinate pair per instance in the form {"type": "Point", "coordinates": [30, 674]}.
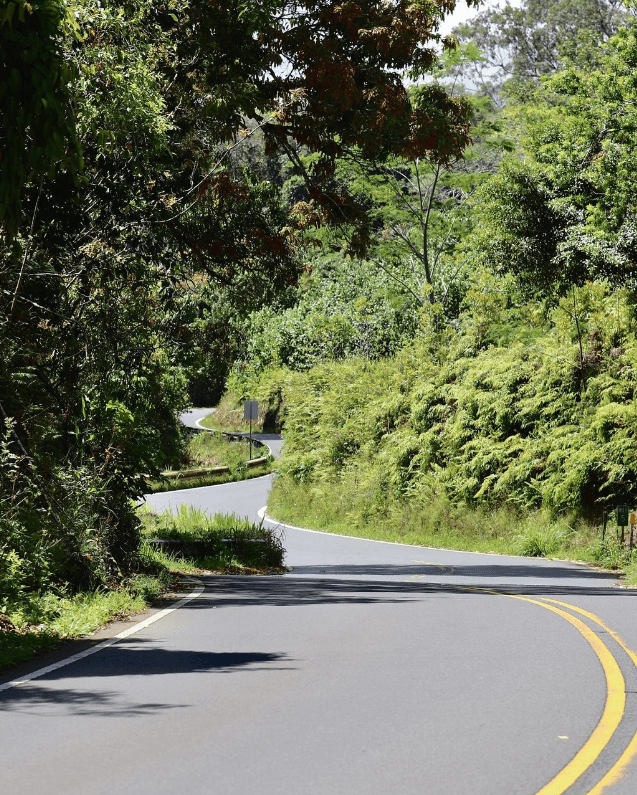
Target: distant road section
{"type": "Point", "coordinates": [273, 440]}
{"type": "Point", "coordinates": [244, 498]}
{"type": "Point", "coordinates": [191, 417]}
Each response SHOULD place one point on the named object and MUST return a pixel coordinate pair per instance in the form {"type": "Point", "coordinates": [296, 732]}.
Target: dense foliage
{"type": "Point", "coordinates": [434, 294]}
{"type": "Point", "coordinates": [130, 229]}
{"type": "Point", "coordinates": [37, 130]}
{"type": "Point", "coordinates": [524, 396]}
{"type": "Point", "coordinates": [565, 214]}
{"type": "Point", "coordinates": [510, 408]}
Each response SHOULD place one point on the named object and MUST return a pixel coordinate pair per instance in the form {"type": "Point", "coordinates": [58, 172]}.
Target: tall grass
{"type": "Point", "coordinates": [437, 522]}
{"type": "Point", "coordinates": [214, 449]}
{"type": "Point", "coordinates": [177, 483]}
{"type": "Point", "coordinates": [221, 541]}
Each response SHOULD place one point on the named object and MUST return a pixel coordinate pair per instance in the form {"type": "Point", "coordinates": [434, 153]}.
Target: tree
{"type": "Point", "coordinates": [322, 78]}
{"type": "Point", "coordinates": [565, 214]}
{"type": "Point", "coordinates": [521, 44]}
{"type": "Point", "coordinates": [101, 277]}
{"type": "Point", "coordinates": [418, 207]}
{"type": "Point", "coordinates": [422, 211]}
{"type": "Point", "coordinates": [37, 130]}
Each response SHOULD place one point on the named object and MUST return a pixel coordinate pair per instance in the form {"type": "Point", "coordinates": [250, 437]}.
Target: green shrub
{"type": "Point", "coordinates": [613, 554]}
{"type": "Point", "coordinates": [512, 408]}
{"type": "Point", "coordinates": [543, 541]}
{"type": "Point", "coordinates": [226, 538]}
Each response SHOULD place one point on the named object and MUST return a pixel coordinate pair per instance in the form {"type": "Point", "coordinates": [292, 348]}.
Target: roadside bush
{"type": "Point", "coordinates": [61, 531]}
{"type": "Point", "coordinates": [512, 408]}
{"type": "Point", "coordinates": [224, 537]}
{"type": "Point", "coordinates": [543, 541]}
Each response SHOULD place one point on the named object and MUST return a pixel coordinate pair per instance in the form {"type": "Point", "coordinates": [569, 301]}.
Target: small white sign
{"type": "Point", "coordinates": [251, 410]}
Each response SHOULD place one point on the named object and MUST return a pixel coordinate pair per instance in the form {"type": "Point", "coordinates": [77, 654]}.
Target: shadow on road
{"type": "Point", "coordinates": [122, 660]}
{"type": "Point", "coordinates": [503, 572]}
{"type": "Point", "coordinates": [307, 585]}
{"type": "Point", "coordinates": [297, 590]}
{"type": "Point", "coordinates": [126, 660]}
{"type": "Point", "coordinates": [41, 702]}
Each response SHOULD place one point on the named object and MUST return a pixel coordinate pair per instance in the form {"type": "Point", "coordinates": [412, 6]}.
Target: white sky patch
{"type": "Point", "coordinates": [461, 14]}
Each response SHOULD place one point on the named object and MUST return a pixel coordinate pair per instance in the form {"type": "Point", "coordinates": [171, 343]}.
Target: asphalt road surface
{"type": "Point", "coordinates": [369, 668]}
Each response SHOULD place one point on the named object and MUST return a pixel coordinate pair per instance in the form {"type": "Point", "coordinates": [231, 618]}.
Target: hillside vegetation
{"type": "Point", "coordinates": [472, 428]}
{"type": "Point", "coordinates": [417, 251]}
{"type": "Point", "coordinates": [504, 416]}
{"type": "Point", "coordinates": [503, 410]}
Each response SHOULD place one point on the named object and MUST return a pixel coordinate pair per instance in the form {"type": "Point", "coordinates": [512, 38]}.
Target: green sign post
{"type": "Point", "coordinates": [621, 513]}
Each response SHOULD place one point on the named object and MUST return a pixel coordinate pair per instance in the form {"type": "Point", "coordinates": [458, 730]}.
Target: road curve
{"type": "Point", "coordinates": [369, 668]}
{"type": "Point", "coordinates": [192, 419]}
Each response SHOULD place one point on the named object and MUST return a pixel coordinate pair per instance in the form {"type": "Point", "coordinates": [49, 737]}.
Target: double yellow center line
{"type": "Point", "coordinates": [613, 708]}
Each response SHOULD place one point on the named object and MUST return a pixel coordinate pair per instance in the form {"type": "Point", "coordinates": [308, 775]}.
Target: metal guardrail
{"type": "Point", "coordinates": [185, 474]}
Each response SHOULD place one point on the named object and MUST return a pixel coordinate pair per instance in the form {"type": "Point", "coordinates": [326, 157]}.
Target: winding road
{"type": "Point", "coordinates": [369, 668]}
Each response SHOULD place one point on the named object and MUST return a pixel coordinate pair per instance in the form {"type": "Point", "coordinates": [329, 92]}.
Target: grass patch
{"type": "Point", "coordinates": [39, 622]}
{"type": "Point", "coordinates": [172, 484]}
{"type": "Point", "coordinates": [18, 644]}
{"type": "Point", "coordinates": [540, 537]}
{"type": "Point", "coordinates": [205, 450]}
{"type": "Point", "coordinates": [214, 449]}
{"type": "Point", "coordinates": [221, 543]}
{"type": "Point", "coordinates": [630, 574]}
{"type": "Point", "coordinates": [438, 523]}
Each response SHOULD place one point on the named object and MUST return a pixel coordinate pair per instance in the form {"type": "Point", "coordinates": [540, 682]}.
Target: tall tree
{"type": "Point", "coordinates": [565, 214]}
{"type": "Point", "coordinates": [325, 78]}
{"type": "Point", "coordinates": [418, 206]}
{"type": "Point", "coordinates": [522, 43]}
{"type": "Point", "coordinates": [99, 277]}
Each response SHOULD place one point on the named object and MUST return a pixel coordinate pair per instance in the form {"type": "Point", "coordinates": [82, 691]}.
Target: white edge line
{"type": "Point", "coordinates": [104, 645]}
{"type": "Point", "coordinates": [263, 515]}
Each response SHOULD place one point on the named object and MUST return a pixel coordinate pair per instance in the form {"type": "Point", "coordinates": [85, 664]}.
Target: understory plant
{"type": "Point", "coordinates": [223, 540]}
{"type": "Point", "coordinates": [514, 409]}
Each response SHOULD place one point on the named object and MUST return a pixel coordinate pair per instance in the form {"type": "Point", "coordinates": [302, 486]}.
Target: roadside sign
{"type": "Point", "coordinates": [251, 410]}
{"type": "Point", "coordinates": [622, 515]}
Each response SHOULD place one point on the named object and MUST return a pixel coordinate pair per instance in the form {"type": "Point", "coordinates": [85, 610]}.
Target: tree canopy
{"type": "Point", "coordinates": [565, 213]}
{"type": "Point", "coordinates": [521, 43]}
{"type": "Point", "coordinates": [123, 215]}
